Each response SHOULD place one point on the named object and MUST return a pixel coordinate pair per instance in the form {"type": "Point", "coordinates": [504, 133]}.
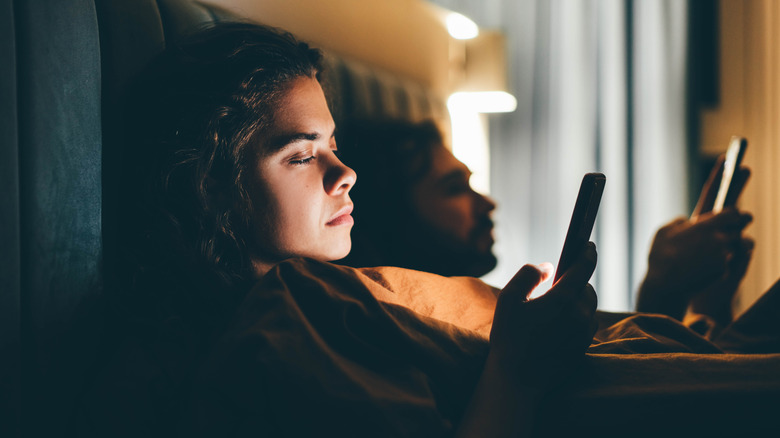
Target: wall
{"type": "Point", "coordinates": [406, 37]}
{"type": "Point", "coordinates": [749, 106]}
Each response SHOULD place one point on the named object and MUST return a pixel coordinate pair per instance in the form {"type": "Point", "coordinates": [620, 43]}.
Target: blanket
{"type": "Point", "coordinates": [323, 350]}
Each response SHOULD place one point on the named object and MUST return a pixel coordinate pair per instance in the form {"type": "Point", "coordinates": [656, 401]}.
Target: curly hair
{"type": "Point", "coordinates": [194, 115]}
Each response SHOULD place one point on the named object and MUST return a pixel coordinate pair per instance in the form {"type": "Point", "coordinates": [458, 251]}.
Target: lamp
{"type": "Point", "coordinates": [482, 84]}
{"type": "Point", "coordinates": [461, 27]}
{"type": "Point", "coordinates": [479, 80]}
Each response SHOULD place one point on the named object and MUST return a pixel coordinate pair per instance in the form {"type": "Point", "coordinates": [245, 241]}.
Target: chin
{"type": "Point", "coordinates": [340, 253]}
{"type": "Point", "coordinates": [482, 264]}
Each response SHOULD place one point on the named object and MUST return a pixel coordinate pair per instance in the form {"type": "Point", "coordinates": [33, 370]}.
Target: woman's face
{"type": "Point", "coordinates": [300, 189]}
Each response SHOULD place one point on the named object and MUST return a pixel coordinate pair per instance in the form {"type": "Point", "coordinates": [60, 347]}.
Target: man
{"type": "Point", "coordinates": [414, 207]}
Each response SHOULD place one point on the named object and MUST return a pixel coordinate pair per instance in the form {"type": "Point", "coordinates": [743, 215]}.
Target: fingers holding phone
{"type": "Point", "coordinates": [543, 337]}
{"type": "Point", "coordinates": [576, 297]}
{"type": "Point", "coordinates": [726, 180]}
{"type": "Point", "coordinates": [583, 219]}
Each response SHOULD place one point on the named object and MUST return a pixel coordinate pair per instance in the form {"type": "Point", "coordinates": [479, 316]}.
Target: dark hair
{"type": "Point", "coordinates": [390, 157]}
{"type": "Point", "coordinates": [194, 115]}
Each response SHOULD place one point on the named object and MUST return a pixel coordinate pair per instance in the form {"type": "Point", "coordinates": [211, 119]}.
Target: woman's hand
{"type": "Point", "coordinates": [538, 340]}
{"type": "Point", "coordinates": [534, 344]}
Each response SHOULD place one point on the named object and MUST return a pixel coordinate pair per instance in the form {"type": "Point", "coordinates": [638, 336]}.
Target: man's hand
{"type": "Point", "coordinates": [704, 256]}
{"type": "Point", "coordinates": [710, 190]}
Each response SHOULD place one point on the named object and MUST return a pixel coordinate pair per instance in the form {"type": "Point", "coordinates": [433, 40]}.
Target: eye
{"type": "Point", "coordinates": [302, 161]}
{"type": "Point", "coordinates": [457, 188]}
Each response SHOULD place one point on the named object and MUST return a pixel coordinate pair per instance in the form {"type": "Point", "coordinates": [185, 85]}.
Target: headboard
{"type": "Point", "coordinates": [59, 156]}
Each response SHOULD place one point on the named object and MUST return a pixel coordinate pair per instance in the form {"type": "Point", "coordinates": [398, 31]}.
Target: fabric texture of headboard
{"type": "Point", "coordinates": [357, 90]}
{"type": "Point", "coordinates": [60, 155]}
{"type": "Point", "coordinates": [52, 150]}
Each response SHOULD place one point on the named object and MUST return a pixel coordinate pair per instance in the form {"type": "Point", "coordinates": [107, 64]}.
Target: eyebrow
{"type": "Point", "coordinates": [454, 176]}
{"type": "Point", "coordinates": [282, 141]}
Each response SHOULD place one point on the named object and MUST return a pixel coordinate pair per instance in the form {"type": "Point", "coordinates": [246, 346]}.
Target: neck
{"type": "Point", "coordinates": [261, 267]}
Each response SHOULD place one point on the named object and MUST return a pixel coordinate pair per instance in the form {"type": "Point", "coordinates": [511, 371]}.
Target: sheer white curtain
{"type": "Point", "coordinates": [600, 87]}
{"type": "Point", "coordinates": [660, 154]}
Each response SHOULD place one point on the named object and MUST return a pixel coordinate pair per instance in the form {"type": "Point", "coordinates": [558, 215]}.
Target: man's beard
{"type": "Point", "coordinates": [431, 250]}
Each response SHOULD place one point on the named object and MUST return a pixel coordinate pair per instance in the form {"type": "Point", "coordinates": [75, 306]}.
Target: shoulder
{"type": "Point", "coordinates": [466, 302]}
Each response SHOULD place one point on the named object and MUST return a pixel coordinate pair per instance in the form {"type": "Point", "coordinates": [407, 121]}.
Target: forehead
{"type": "Point", "coordinates": [302, 110]}
{"type": "Point", "coordinates": [303, 98]}
{"type": "Point", "coordinates": [444, 163]}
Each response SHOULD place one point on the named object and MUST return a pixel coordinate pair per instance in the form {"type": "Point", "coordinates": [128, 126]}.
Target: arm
{"type": "Point", "coordinates": [533, 346]}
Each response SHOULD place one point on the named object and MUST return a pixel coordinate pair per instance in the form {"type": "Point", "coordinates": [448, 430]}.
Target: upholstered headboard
{"type": "Point", "coordinates": [67, 61]}
{"type": "Point", "coordinates": [51, 213]}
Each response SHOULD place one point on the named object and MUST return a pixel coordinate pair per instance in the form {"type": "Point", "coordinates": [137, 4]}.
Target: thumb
{"type": "Point", "coordinates": [729, 218]}
{"type": "Point", "coordinates": [524, 282]}
{"type": "Point", "coordinates": [710, 190]}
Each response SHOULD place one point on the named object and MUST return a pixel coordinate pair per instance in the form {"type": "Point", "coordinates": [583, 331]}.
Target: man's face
{"type": "Point", "coordinates": [446, 202]}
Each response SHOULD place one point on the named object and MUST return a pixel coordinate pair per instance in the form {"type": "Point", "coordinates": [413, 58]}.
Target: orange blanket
{"type": "Point", "coordinates": [323, 350]}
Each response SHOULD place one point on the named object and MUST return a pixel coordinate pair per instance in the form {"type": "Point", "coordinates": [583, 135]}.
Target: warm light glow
{"type": "Point", "coordinates": [470, 145]}
{"type": "Point", "coordinates": [461, 27]}
{"type": "Point", "coordinates": [548, 272]}
{"type": "Point", "coordinates": [484, 101]}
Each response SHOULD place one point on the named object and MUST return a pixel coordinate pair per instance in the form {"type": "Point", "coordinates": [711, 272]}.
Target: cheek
{"type": "Point", "coordinates": [270, 218]}
{"type": "Point", "coordinates": [264, 221]}
{"type": "Point", "coordinates": [449, 214]}
{"type": "Point", "coordinates": [284, 212]}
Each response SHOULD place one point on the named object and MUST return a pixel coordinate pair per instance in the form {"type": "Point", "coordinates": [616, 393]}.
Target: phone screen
{"type": "Point", "coordinates": [582, 220]}
{"type": "Point", "coordinates": [733, 159]}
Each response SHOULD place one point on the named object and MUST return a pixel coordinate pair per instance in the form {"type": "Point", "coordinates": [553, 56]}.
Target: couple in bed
{"type": "Point", "coordinates": [234, 322]}
{"type": "Point", "coordinates": [418, 211]}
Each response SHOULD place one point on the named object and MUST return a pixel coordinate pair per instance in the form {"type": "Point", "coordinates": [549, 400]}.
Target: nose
{"type": "Point", "coordinates": [485, 204]}
{"type": "Point", "coordinates": [339, 178]}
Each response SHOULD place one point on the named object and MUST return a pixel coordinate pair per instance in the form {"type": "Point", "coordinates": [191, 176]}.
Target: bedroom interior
{"type": "Point", "coordinates": [69, 60]}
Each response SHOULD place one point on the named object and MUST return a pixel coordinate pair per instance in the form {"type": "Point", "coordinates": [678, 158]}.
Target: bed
{"type": "Point", "coordinates": [58, 161]}
{"type": "Point", "coordinates": [644, 375]}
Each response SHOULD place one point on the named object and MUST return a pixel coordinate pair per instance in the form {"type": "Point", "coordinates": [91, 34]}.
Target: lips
{"type": "Point", "coordinates": [342, 217]}
{"type": "Point", "coordinates": [483, 233]}
{"type": "Point", "coordinates": [484, 226]}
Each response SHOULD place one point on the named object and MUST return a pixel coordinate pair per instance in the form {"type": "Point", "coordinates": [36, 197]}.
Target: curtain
{"type": "Point", "coordinates": [601, 86]}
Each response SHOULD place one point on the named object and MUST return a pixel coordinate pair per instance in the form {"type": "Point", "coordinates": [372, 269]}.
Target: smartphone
{"type": "Point", "coordinates": [734, 155]}
{"type": "Point", "coordinates": [582, 220]}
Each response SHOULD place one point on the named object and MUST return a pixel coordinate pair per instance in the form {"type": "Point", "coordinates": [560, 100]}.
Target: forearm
{"type": "Point", "coordinates": [503, 404]}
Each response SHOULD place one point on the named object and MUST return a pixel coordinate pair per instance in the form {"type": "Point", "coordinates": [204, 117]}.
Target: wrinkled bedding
{"type": "Point", "coordinates": [323, 350]}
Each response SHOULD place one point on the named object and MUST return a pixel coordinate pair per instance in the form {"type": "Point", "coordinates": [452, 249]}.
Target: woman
{"type": "Point", "coordinates": [236, 181]}
{"type": "Point", "coordinates": [234, 323]}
